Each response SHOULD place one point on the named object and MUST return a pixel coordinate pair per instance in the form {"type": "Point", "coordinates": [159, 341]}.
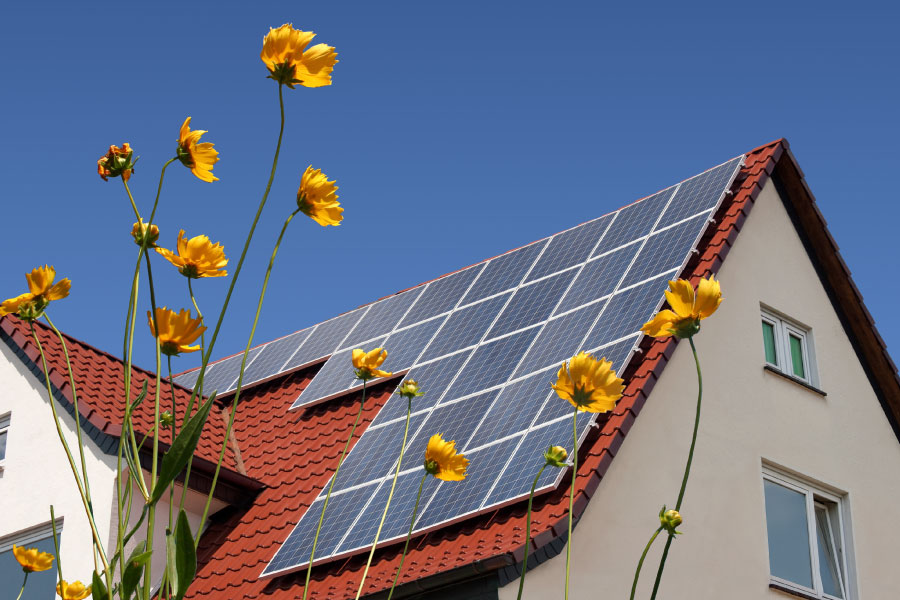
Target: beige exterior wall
{"type": "Point", "coordinates": [749, 416]}
{"type": "Point", "coordinates": [36, 474]}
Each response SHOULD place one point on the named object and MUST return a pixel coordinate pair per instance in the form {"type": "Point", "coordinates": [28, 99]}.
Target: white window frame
{"type": "Point", "coordinates": [4, 428]}
{"type": "Point", "coordinates": [784, 328]}
{"type": "Point", "coordinates": [816, 496]}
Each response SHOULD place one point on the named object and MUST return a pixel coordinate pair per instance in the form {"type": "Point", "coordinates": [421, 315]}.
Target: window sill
{"type": "Point", "coordinates": [791, 591]}
{"type": "Point", "coordinates": [796, 380]}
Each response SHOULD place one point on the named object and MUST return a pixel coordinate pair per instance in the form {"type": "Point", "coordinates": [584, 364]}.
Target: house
{"type": "Point", "coordinates": [794, 482]}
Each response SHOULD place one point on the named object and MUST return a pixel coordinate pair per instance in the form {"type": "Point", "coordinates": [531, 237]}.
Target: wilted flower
{"type": "Point", "coordinates": [367, 363]}
{"type": "Point", "coordinates": [176, 330]}
{"type": "Point", "coordinates": [589, 384]}
{"type": "Point", "coordinates": [197, 257]}
{"type": "Point", "coordinates": [41, 292]}
{"type": "Point", "coordinates": [556, 457]}
{"type": "Point", "coordinates": [72, 591]}
{"type": "Point", "coordinates": [141, 235]}
{"type": "Point", "coordinates": [442, 461]}
{"type": "Point", "coordinates": [288, 63]}
{"type": "Point", "coordinates": [32, 559]}
{"type": "Point", "coordinates": [196, 156]}
{"type": "Point", "coordinates": [317, 198]}
{"type": "Point", "coordinates": [409, 389]}
{"type": "Point", "coordinates": [117, 162]}
{"type": "Point", "coordinates": [669, 520]}
{"type": "Point", "coordinates": [687, 309]}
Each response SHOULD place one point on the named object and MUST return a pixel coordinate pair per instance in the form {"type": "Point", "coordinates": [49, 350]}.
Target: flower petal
{"type": "Point", "coordinates": [709, 296]}
{"type": "Point", "coordinates": [681, 297]}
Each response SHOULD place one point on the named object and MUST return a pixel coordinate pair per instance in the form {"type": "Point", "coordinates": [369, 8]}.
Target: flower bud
{"type": "Point", "coordinates": [166, 420]}
{"type": "Point", "coordinates": [556, 456]}
{"type": "Point", "coordinates": [669, 520]}
{"type": "Point", "coordinates": [409, 389]}
{"type": "Point", "coordinates": [118, 162]}
{"type": "Point", "coordinates": [141, 235]}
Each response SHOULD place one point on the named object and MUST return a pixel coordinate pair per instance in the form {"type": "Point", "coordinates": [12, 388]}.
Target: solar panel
{"type": "Point", "coordinates": [498, 333]}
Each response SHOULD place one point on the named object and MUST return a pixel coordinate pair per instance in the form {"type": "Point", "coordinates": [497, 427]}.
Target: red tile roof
{"type": "Point", "coordinates": [295, 452]}
{"type": "Point", "coordinates": [99, 381]}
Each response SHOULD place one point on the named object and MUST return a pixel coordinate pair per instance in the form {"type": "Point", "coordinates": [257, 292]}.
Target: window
{"type": "Point", "coordinates": [42, 584]}
{"type": "Point", "coordinates": [788, 347]}
{"type": "Point", "coordinates": [4, 430]}
{"type": "Point", "coordinates": [806, 538]}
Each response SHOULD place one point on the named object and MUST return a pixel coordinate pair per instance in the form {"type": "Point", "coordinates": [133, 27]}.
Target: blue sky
{"type": "Point", "coordinates": [456, 131]}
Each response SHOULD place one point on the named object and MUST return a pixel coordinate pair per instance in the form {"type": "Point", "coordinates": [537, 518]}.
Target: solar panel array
{"type": "Point", "coordinates": [484, 343]}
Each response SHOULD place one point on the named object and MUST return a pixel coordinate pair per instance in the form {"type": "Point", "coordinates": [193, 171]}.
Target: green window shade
{"type": "Point", "coordinates": [769, 342]}
{"type": "Point", "coordinates": [797, 357]}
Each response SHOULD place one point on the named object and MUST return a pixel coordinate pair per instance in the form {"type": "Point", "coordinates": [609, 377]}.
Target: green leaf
{"type": "Point", "coordinates": [134, 568]}
{"type": "Point", "coordinates": [185, 556]}
{"type": "Point", "coordinates": [139, 399]}
{"type": "Point", "coordinates": [181, 451]}
{"type": "Point", "coordinates": [98, 588]}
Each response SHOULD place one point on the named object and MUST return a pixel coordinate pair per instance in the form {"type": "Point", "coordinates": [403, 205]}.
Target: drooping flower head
{"type": "Point", "coordinates": [589, 384]}
{"type": "Point", "coordinates": [142, 235]}
{"type": "Point", "coordinates": [32, 559]}
{"type": "Point", "coordinates": [367, 363]}
{"type": "Point", "coordinates": [118, 162]}
{"type": "Point", "coordinates": [688, 308]}
{"type": "Point", "coordinates": [556, 456]}
{"type": "Point", "coordinates": [290, 62]}
{"type": "Point", "coordinates": [410, 389]}
{"type": "Point", "coordinates": [196, 156]}
{"type": "Point", "coordinates": [41, 292]}
{"type": "Point", "coordinates": [442, 461]}
{"type": "Point", "coordinates": [72, 591]}
{"type": "Point", "coordinates": [197, 257]}
{"type": "Point", "coordinates": [176, 330]}
{"type": "Point", "coordinates": [317, 198]}
{"type": "Point", "coordinates": [669, 520]}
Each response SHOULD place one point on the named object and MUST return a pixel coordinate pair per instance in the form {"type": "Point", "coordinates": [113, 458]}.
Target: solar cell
{"type": "Point", "coordinates": [337, 375]}
{"type": "Point", "coordinates": [381, 318]}
{"type": "Point", "coordinates": [273, 356]}
{"type": "Point", "coordinates": [504, 272]}
{"type": "Point", "coordinates": [570, 247]}
{"type": "Point", "coordinates": [325, 338]}
{"type": "Point", "coordinates": [224, 376]}
{"type": "Point", "coordinates": [190, 378]}
{"type": "Point", "coordinates": [516, 318]}
{"type": "Point", "coordinates": [532, 303]}
{"type": "Point", "coordinates": [442, 295]}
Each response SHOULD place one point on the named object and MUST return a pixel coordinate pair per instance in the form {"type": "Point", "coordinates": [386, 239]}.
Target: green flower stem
{"type": "Point", "coordinates": [528, 531]}
{"type": "Point", "coordinates": [240, 381]}
{"type": "Point", "coordinates": [312, 554]}
{"type": "Point", "coordinates": [202, 336]}
{"type": "Point", "coordinates": [390, 497]}
{"type": "Point", "coordinates": [687, 467]}
{"type": "Point", "coordinates": [174, 431]}
{"type": "Point", "coordinates": [637, 573]}
{"type": "Point", "coordinates": [56, 546]}
{"type": "Point", "coordinates": [22, 591]}
{"type": "Point", "coordinates": [94, 532]}
{"type": "Point", "coordinates": [412, 522]}
{"type": "Point", "coordinates": [137, 215]}
{"type": "Point", "coordinates": [151, 513]}
{"type": "Point", "coordinates": [237, 270]}
{"type": "Point", "coordinates": [190, 406]}
{"type": "Point", "coordinates": [84, 473]}
{"type": "Point", "coordinates": [572, 495]}
{"type": "Point", "coordinates": [162, 173]}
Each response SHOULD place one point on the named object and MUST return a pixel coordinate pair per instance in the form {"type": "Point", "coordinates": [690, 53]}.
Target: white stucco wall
{"type": "Point", "coordinates": [36, 474]}
{"type": "Point", "coordinates": [749, 416]}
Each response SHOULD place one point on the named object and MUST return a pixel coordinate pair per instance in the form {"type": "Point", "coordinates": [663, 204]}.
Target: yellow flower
{"type": "Point", "coordinates": [139, 232]}
{"type": "Point", "coordinates": [317, 198]}
{"type": "Point", "coordinates": [72, 591]}
{"type": "Point", "coordinates": [687, 309]}
{"type": "Point", "coordinates": [32, 559]}
{"type": "Point", "coordinates": [176, 330]}
{"type": "Point", "coordinates": [197, 157]}
{"type": "Point", "coordinates": [197, 257]}
{"type": "Point", "coordinates": [41, 292]}
{"type": "Point", "coordinates": [367, 363]}
{"type": "Point", "coordinates": [117, 162]}
{"type": "Point", "coordinates": [556, 456]}
{"type": "Point", "coordinates": [589, 384]}
{"type": "Point", "coordinates": [288, 63]}
{"type": "Point", "coordinates": [442, 461]}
